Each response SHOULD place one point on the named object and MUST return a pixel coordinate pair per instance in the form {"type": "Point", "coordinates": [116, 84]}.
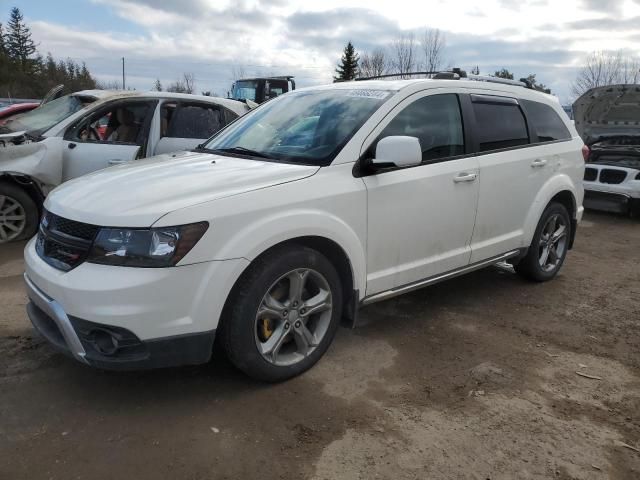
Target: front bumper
{"type": "Point", "coordinates": [156, 317]}
{"type": "Point", "coordinates": [108, 347]}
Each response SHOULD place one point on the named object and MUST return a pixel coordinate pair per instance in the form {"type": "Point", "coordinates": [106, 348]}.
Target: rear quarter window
{"type": "Point", "coordinates": [546, 122]}
{"type": "Point", "coordinates": [195, 121]}
{"type": "Point", "coordinates": [499, 125]}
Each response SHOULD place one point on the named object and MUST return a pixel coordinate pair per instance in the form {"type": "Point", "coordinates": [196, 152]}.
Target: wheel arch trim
{"type": "Point", "coordinates": [554, 187]}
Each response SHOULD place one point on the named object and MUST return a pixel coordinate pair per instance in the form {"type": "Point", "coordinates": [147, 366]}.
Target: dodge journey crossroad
{"type": "Point", "coordinates": [273, 232]}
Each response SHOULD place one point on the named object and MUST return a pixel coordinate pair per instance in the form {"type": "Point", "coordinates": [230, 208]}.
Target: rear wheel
{"type": "Point", "coordinates": [18, 214]}
{"type": "Point", "coordinates": [549, 245]}
{"type": "Point", "coordinates": [283, 314]}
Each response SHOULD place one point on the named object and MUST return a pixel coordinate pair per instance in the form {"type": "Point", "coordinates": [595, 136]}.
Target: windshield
{"type": "Point", "coordinates": [245, 90]}
{"type": "Point", "coordinates": [302, 127]}
{"type": "Point", "coordinates": [43, 118]}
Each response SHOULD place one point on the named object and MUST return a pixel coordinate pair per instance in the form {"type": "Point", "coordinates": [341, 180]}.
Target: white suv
{"type": "Point", "coordinates": [282, 224]}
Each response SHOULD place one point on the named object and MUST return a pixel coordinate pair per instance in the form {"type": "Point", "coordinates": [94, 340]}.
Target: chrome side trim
{"type": "Point", "coordinates": [378, 297]}
{"type": "Point", "coordinates": [56, 312]}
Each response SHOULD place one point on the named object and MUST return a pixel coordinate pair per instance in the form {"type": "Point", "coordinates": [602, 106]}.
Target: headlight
{"type": "Point", "coordinates": [152, 247]}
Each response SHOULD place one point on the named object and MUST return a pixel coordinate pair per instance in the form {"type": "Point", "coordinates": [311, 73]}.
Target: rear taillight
{"type": "Point", "coordinates": [585, 153]}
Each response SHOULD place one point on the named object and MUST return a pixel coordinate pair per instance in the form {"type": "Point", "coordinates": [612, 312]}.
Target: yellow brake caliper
{"type": "Point", "coordinates": [266, 329]}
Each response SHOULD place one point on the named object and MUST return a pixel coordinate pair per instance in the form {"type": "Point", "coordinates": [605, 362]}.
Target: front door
{"type": "Point", "coordinates": [421, 219]}
{"type": "Point", "coordinates": [89, 145]}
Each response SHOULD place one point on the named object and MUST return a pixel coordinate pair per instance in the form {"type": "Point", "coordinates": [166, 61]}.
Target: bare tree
{"type": "Point", "coordinates": [186, 84]}
{"type": "Point", "coordinates": [606, 68]}
{"type": "Point", "coordinates": [630, 70]}
{"type": "Point", "coordinates": [109, 85]}
{"type": "Point", "coordinates": [432, 44]}
{"type": "Point", "coordinates": [403, 54]}
{"type": "Point", "coordinates": [373, 64]}
{"type": "Point", "coordinates": [189, 82]}
{"type": "Point", "coordinates": [238, 72]}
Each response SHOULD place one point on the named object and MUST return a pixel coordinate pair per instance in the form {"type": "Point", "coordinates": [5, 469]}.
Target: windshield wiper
{"type": "Point", "coordinates": [242, 151]}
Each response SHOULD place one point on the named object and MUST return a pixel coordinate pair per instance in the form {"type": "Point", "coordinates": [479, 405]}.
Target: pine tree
{"type": "Point", "coordinates": [348, 66]}
{"type": "Point", "coordinates": [157, 86]}
{"type": "Point", "coordinates": [20, 46]}
{"type": "Point", "coordinates": [3, 47]}
{"type": "Point", "coordinates": [24, 73]}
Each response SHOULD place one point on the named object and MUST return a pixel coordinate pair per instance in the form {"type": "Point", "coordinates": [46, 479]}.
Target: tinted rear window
{"type": "Point", "coordinates": [547, 124]}
{"type": "Point", "coordinates": [195, 121]}
{"type": "Point", "coordinates": [500, 126]}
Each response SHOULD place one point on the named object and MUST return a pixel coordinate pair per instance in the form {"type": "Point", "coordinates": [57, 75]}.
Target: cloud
{"type": "Point", "coordinates": [614, 23]}
{"type": "Point", "coordinates": [210, 37]}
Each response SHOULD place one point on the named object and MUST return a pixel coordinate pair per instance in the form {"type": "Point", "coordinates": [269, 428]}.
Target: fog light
{"type": "Point", "coordinates": [104, 342]}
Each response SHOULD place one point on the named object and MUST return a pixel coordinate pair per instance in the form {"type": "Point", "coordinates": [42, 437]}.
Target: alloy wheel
{"type": "Point", "coordinates": [293, 317]}
{"type": "Point", "coordinates": [13, 218]}
{"type": "Point", "coordinates": [553, 243]}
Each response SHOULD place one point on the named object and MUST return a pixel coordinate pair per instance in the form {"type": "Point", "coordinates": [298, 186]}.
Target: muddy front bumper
{"type": "Point", "coordinates": [110, 347]}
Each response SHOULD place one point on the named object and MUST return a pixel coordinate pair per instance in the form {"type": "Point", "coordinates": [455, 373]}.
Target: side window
{"type": "Point", "coordinates": [546, 122]}
{"type": "Point", "coordinates": [194, 121]}
{"type": "Point", "coordinates": [166, 114]}
{"type": "Point", "coordinates": [500, 125]}
{"type": "Point", "coordinates": [229, 116]}
{"type": "Point", "coordinates": [122, 122]}
{"type": "Point", "coordinates": [436, 121]}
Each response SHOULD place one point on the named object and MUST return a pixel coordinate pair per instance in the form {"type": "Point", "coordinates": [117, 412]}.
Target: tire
{"type": "Point", "coordinates": [267, 341]}
{"type": "Point", "coordinates": [18, 214]}
{"type": "Point", "coordinates": [531, 266]}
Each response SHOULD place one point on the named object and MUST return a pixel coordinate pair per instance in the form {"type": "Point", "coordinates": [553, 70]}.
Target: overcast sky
{"type": "Point", "coordinates": [163, 38]}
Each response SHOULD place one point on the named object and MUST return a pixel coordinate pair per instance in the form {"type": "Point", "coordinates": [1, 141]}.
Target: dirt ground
{"type": "Point", "coordinates": [470, 379]}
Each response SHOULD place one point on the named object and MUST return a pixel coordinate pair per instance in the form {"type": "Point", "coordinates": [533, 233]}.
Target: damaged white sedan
{"type": "Point", "coordinates": [90, 130]}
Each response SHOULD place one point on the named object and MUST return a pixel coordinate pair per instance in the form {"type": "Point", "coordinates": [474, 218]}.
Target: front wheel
{"type": "Point", "coordinates": [549, 245]}
{"type": "Point", "coordinates": [18, 214]}
{"type": "Point", "coordinates": [282, 314]}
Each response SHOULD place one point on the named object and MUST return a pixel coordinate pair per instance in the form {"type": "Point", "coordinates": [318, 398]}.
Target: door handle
{"type": "Point", "coordinates": [465, 177]}
{"type": "Point", "coordinates": [116, 161]}
{"type": "Point", "coordinates": [72, 146]}
{"type": "Point", "coordinates": [538, 162]}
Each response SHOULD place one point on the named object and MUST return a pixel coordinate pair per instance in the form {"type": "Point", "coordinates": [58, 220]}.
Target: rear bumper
{"type": "Point", "coordinates": [609, 201]}
{"type": "Point", "coordinates": [109, 347]}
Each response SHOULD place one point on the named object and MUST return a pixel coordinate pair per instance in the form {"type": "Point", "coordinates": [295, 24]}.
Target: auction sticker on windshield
{"type": "Point", "coordinates": [379, 94]}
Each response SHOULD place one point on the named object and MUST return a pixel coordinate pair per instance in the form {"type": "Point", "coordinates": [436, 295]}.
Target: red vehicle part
{"type": "Point", "coordinates": [15, 109]}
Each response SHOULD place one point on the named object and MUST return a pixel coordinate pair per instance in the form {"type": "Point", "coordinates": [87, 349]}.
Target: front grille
{"type": "Point", "coordinates": [71, 227]}
{"type": "Point", "coordinates": [64, 244]}
{"type": "Point", "coordinates": [611, 176]}
{"type": "Point", "coordinates": [590, 174]}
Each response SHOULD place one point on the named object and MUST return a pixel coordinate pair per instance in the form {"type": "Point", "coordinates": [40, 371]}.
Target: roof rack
{"type": "Point", "coordinates": [457, 74]}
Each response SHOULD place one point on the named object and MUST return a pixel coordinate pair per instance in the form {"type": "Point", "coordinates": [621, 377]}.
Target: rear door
{"type": "Point", "coordinates": [89, 146]}
{"type": "Point", "coordinates": [185, 125]}
{"type": "Point", "coordinates": [512, 172]}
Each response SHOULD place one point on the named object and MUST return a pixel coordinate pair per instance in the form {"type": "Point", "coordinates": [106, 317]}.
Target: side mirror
{"type": "Point", "coordinates": [398, 150]}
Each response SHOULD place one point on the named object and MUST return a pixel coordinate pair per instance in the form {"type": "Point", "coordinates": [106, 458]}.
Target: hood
{"type": "Point", "coordinates": [8, 138]}
{"type": "Point", "coordinates": [138, 194]}
{"type": "Point", "coordinates": [609, 111]}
